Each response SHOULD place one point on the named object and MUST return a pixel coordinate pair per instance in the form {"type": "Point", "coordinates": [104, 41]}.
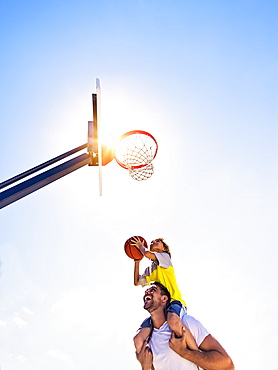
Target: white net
{"type": "Point", "coordinates": [135, 152]}
{"type": "Point", "coordinates": [142, 173]}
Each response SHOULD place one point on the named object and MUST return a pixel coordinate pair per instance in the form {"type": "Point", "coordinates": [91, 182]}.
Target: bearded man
{"type": "Point", "coordinates": [163, 351]}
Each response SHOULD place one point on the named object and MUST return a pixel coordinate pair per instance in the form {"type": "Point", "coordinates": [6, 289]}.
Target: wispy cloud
{"type": "Point", "coordinates": [61, 356]}
{"type": "Point", "coordinates": [75, 306]}
{"type": "Point", "coordinates": [17, 321]}
{"type": "Point", "coordinates": [27, 311]}
{"type": "Point", "coordinates": [21, 358]}
{"type": "Point", "coordinates": [3, 323]}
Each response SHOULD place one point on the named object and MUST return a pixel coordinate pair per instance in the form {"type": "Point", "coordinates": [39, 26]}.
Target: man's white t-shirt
{"type": "Point", "coordinates": [166, 359]}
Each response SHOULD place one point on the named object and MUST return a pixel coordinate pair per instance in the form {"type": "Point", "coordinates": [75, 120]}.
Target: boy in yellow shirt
{"type": "Point", "coordinates": [162, 271]}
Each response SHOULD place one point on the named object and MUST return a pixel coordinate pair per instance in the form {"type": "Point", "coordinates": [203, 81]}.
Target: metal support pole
{"type": "Point", "coordinates": [40, 167]}
{"type": "Point", "coordinates": [29, 186]}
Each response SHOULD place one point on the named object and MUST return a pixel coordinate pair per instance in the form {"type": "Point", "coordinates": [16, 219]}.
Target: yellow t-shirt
{"type": "Point", "coordinates": [162, 271]}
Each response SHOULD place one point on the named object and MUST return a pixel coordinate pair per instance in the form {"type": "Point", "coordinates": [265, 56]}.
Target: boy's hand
{"type": "Point", "coordinates": [137, 243]}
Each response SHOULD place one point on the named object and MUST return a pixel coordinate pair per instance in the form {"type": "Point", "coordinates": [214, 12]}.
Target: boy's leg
{"type": "Point", "coordinates": [140, 337]}
{"type": "Point", "coordinates": [175, 323]}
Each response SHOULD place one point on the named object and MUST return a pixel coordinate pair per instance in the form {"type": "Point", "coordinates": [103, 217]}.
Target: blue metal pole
{"type": "Point", "coordinates": [29, 186]}
{"type": "Point", "coordinates": [40, 167]}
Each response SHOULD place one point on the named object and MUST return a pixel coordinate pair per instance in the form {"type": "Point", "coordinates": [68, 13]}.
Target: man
{"type": "Point", "coordinates": [166, 352]}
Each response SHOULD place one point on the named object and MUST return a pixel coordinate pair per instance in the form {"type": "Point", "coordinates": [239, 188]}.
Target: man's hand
{"type": "Point", "coordinates": [211, 355]}
{"type": "Point", "coordinates": [179, 345]}
{"type": "Point", "coordinates": [145, 357]}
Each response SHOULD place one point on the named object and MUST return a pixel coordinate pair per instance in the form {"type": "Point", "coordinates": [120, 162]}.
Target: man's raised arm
{"type": "Point", "coordinates": [211, 355]}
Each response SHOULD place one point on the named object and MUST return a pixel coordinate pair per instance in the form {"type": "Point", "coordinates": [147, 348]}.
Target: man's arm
{"type": "Point", "coordinates": [145, 357]}
{"type": "Point", "coordinates": [211, 357]}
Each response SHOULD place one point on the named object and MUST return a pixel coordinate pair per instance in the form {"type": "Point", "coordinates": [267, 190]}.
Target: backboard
{"type": "Point", "coordinates": [94, 134]}
{"type": "Point", "coordinates": [135, 150]}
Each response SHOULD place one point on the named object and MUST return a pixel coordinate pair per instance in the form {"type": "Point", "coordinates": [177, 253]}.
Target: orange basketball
{"type": "Point", "coordinates": [132, 251]}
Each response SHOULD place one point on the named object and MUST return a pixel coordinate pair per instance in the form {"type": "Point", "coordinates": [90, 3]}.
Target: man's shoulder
{"type": "Point", "coordinates": [147, 323]}
{"type": "Point", "coordinates": [197, 329]}
{"type": "Point", "coordinates": [189, 318]}
{"type": "Point", "coordinates": [191, 321]}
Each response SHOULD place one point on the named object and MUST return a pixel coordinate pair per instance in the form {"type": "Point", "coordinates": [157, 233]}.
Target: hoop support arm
{"type": "Point", "coordinates": [29, 186]}
{"type": "Point", "coordinates": [40, 167]}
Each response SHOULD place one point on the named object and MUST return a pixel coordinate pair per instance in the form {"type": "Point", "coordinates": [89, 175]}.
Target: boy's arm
{"type": "Point", "coordinates": [136, 272]}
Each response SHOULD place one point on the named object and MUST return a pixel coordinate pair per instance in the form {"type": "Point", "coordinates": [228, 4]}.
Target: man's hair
{"type": "Point", "coordinates": [165, 245]}
{"type": "Point", "coordinates": [164, 291]}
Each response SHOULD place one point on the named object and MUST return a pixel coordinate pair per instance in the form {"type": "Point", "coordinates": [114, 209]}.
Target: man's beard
{"type": "Point", "coordinates": [152, 307]}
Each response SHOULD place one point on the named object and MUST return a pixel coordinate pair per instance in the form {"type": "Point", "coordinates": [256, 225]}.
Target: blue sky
{"type": "Point", "coordinates": [202, 78]}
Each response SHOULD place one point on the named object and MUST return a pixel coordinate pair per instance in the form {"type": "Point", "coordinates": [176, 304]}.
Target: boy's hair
{"type": "Point", "coordinates": [164, 291]}
{"type": "Point", "coordinates": [166, 246]}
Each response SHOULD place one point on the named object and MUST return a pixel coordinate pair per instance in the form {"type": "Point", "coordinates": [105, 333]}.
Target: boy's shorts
{"type": "Point", "coordinates": [175, 306]}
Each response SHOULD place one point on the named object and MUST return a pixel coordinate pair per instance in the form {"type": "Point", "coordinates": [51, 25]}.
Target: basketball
{"type": "Point", "coordinates": [132, 251]}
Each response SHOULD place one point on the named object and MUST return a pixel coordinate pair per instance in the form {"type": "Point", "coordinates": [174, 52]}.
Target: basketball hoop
{"type": "Point", "coordinates": [135, 152]}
